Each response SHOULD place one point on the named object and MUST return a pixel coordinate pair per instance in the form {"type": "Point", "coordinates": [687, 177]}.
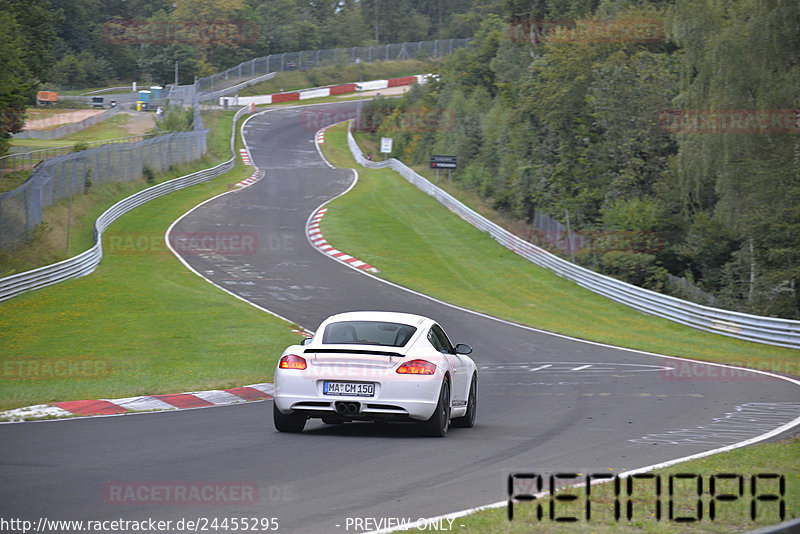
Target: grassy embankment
{"type": "Point", "coordinates": [141, 316]}
{"type": "Point", "coordinates": [417, 243]}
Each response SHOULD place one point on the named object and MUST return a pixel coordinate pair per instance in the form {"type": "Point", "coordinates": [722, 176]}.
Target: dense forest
{"type": "Point", "coordinates": [71, 44]}
{"type": "Point", "coordinates": [678, 132]}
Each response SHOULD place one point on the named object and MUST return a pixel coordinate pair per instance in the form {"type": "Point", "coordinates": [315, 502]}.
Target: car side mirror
{"type": "Point", "coordinates": [463, 348]}
{"type": "Point", "coordinates": [306, 341]}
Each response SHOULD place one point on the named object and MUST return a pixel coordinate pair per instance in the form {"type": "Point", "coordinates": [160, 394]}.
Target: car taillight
{"type": "Point", "coordinates": [417, 367]}
{"type": "Point", "coordinates": [290, 361]}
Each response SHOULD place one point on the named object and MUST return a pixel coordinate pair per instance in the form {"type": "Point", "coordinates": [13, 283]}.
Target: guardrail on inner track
{"type": "Point", "coordinates": [769, 330]}
{"type": "Point", "coordinates": [87, 261]}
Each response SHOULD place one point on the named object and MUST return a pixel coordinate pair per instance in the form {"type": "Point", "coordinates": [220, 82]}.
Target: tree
{"type": "Point", "coordinates": [747, 180]}
{"type": "Point", "coordinates": [13, 87]}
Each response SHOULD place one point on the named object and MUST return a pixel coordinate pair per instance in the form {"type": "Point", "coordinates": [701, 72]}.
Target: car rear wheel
{"type": "Point", "coordinates": [437, 425]}
{"type": "Point", "coordinates": [468, 420]}
{"type": "Point", "coordinates": [287, 423]}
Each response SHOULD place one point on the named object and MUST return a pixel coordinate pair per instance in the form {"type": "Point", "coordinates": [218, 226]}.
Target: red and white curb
{"type": "Point", "coordinates": [321, 136]}
{"type": "Point", "coordinates": [315, 236]}
{"type": "Point", "coordinates": [304, 333]}
{"type": "Point", "coordinates": [180, 401]}
{"type": "Point", "coordinates": [253, 179]}
{"type": "Point", "coordinates": [245, 156]}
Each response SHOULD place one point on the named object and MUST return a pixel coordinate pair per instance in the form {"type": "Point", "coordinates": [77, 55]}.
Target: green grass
{"type": "Point", "coordinates": [158, 327]}
{"type": "Point", "coordinates": [780, 458]}
{"type": "Point", "coordinates": [12, 180]}
{"type": "Point", "coordinates": [112, 128]}
{"type": "Point", "coordinates": [142, 316]}
{"type": "Point", "coordinates": [49, 242]}
{"type": "Point", "coordinates": [414, 241]}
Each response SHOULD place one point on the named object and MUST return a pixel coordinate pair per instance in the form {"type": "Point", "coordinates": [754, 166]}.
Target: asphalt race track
{"type": "Point", "coordinates": [546, 403]}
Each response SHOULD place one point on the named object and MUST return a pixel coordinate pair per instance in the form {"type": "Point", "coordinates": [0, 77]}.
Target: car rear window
{"type": "Point", "coordinates": [368, 333]}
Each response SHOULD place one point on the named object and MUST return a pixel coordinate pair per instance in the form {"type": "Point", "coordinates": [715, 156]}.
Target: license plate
{"type": "Point", "coordinates": [348, 389]}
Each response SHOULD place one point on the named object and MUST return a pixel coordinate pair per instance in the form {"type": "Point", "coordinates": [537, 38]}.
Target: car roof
{"type": "Point", "coordinates": [391, 317]}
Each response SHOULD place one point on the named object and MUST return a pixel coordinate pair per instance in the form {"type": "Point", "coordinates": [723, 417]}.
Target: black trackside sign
{"type": "Point", "coordinates": [443, 162]}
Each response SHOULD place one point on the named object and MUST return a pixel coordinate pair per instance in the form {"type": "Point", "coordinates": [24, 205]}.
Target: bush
{"type": "Point", "coordinates": [149, 174]}
{"type": "Point", "coordinates": [373, 113]}
{"type": "Point", "coordinates": [635, 268]}
{"type": "Point", "coordinates": [177, 120]}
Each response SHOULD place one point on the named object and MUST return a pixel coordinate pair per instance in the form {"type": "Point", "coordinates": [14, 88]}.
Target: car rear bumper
{"type": "Point", "coordinates": [396, 396]}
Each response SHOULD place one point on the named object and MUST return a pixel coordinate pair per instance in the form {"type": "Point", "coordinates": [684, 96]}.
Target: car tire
{"type": "Point", "coordinates": [287, 423]}
{"type": "Point", "coordinates": [468, 420]}
{"type": "Point", "coordinates": [437, 425]}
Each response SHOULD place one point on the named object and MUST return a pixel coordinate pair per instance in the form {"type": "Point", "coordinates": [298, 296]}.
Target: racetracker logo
{"type": "Point", "coordinates": [188, 243]}
{"type": "Point", "coordinates": [313, 120]}
{"type": "Point", "coordinates": [217, 32]}
{"type": "Point", "coordinates": [684, 121]}
{"type": "Point", "coordinates": [731, 372]}
{"type": "Point", "coordinates": [586, 31]}
{"type": "Point", "coordinates": [66, 368]}
{"type": "Point", "coordinates": [413, 121]}
{"type": "Point", "coordinates": [180, 493]}
{"type": "Point", "coordinates": [593, 241]}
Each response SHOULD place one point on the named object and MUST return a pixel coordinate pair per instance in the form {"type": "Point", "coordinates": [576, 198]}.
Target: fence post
{"type": "Point", "coordinates": [27, 217]}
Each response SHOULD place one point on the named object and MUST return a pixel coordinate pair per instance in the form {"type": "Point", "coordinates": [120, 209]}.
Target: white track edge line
{"type": "Point", "coordinates": [761, 437]}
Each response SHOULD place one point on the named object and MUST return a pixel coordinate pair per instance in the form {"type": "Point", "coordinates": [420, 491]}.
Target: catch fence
{"type": "Point", "coordinates": [75, 173]}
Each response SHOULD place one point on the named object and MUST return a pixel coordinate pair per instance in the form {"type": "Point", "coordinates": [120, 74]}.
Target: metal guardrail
{"type": "Point", "coordinates": [214, 95]}
{"type": "Point", "coordinates": [86, 262]}
{"type": "Point", "coordinates": [769, 330]}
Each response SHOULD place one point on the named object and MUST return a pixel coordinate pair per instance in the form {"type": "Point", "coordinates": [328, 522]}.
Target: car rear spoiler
{"type": "Point", "coordinates": [355, 351]}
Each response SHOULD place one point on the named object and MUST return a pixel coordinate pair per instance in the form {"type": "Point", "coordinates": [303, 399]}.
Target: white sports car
{"type": "Point", "coordinates": [377, 366]}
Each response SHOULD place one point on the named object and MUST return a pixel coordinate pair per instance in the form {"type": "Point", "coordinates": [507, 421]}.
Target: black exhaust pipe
{"type": "Point", "coordinates": [347, 408]}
